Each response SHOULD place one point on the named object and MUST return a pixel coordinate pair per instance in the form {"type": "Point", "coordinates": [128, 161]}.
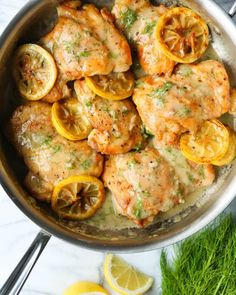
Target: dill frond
{"type": "Point", "coordinates": [204, 264]}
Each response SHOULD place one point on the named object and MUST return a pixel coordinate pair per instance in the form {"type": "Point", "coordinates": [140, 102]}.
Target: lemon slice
{"type": "Point", "coordinates": [69, 119]}
{"type": "Point", "coordinates": [115, 86]}
{"type": "Point", "coordinates": [34, 70]}
{"type": "Point", "coordinates": [232, 109]}
{"type": "Point", "coordinates": [85, 288]}
{"type": "Point", "coordinates": [182, 34]}
{"type": "Point", "coordinates": [123, 278]}
{"type": "Point", "coordinates": [209, 144]}
{"type": "Point", "coordinates": [78, 197]}
{"type": "Point", "coordinates": [230, 153]}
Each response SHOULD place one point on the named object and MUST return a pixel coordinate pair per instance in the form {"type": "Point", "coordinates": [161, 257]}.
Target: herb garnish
{"type": "Point", "coordinates": [184, 112]}
{"type": "Point", "coordinates": [86, 164]}
{"type": "Point", "coordinates": [138, 147]}
{"type": "Point", "coordinates": [128, 18]}
{"type": "Point", "coordinates": [159, 93]}
{"type": "Point", "coordinates": [138, 209]}
{"type": "Point", "coordinates": [204, 264]}
{"type": "Point", "coordinates": [150, 27]}
{"type": "Point", "coordinates": [146, 133]}
{"type": "Point", "coordinates": [84, 53]}
{"type": "Point", "coordinates": [132, 163]}
{"type": "Point", "coordinates": [88, 103]}
{"type": "Point", "coordinates": [56, 148]}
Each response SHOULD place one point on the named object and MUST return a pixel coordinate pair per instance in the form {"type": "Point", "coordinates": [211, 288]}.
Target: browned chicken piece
{"type": "Point", "coordinates": [85, 43]}
{"type": "Point", "coordinates": [60, 90]}
{"type": "Point", "coordinates": [144, 184]}
{"type": "Point", "coordinates": [192, 175]}
{"type": "Point", "coordinates": [117, 125]}
{"type": "Point", "coordinates": [101, 25]}
{"type": "Point", "coordinates": [138, 20]}
{"type": "Point", "coordinates": [48, 156]}
{"type": "Point", "coordinates": [169, 106]}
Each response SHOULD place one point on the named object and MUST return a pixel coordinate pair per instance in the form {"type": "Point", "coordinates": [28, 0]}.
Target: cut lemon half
{"type": "Point", "coordinates": [230, 153]}
{"type": "Point", "coordinates": [69, 119]}
{"type": "Point", "coordinates": [34, 70]}
{"type": "Point", "coordinates": [85, 288]}
{"type": "Point", "coordinates": [209, 144]}
{"type": "Point", "coordinates": [182, 34]}
{"type": "Point", "coordinates": [78, 197]}
{"type": "Point", "coordinates": [123, 278]}
{"type": "Point", "coordinates": [115, 86]}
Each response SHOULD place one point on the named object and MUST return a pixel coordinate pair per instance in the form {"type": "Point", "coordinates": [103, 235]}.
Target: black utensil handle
{"type": "Point", "coordinates": [233, 10]}
{"type": "Point", "coordinates": [16, 280]}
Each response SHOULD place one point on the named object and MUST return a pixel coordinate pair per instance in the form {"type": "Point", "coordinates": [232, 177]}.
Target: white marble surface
{"type": "Point", "coordinates": [61, 264]}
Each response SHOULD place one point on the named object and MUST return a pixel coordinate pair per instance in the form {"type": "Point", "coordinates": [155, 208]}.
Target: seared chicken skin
{"type": "Point", "coordinates": [48, 156]}
{"type": "Point", "coordinates": [194, 93]}
{"type": "Point", "coordinates": [117, 125]}
{"type": "Point", "coordinates": [144, 184]}
{"type": "Point", "coordinates": [138, 20]}
{"type": "Point", "coordinates": [85, 43]}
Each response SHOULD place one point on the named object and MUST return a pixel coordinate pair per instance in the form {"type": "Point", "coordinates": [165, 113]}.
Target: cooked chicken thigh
{"type": "Point", "coordinates": [48, 156]}
{"type": "Point", "coordinates": [117, 125]}
{"type": "Point", "coordinates": [180, 103]}
{"type": "Point", "coordinates": [138, 19]}
{"type": "Point", "coordinates": [85, 43]}
{"type": "Point", "coordinates": [144, 183]}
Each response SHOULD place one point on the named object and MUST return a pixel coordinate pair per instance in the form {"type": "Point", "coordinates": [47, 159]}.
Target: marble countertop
{"type": "Point", "coordinates": [61, 264]}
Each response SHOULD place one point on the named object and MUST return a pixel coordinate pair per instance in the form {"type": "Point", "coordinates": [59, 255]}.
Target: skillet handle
{"type": "Point", "coordinates": [233, 10]}
{"type": "Point", "coordinates": [18, 277]}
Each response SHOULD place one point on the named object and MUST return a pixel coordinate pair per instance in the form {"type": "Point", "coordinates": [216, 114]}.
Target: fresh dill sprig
{"type": "Point", "coordinates": [205, 264]}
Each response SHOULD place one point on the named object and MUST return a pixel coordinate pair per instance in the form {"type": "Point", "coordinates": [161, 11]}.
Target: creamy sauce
{"type": "Point", "coordinates": [107, 218]}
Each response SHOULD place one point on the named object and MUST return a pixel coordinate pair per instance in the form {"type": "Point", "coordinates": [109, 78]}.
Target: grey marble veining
{"type": "Point", "coordinates": [61, 264]}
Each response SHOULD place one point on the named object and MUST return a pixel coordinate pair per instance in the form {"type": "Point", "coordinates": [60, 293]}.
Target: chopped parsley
{"type": "Point", "coordinates": [128, 18]}
{"type": "Point", "coordinates": [185, 71]}
{"type": "Point", "coordinates": [70, 165]}
{"type": "Point", "coordinates": [84, 53]}
{"type": "Point", "coordinates": [42, 139]}
{"type": "Point", "coordinates": [149, 28]}
{"type": "Point", "coordinates": [138, 147]}
{"type": "Point", "coordinates": [190, 177]}
{"type": "Point", "coordinates": [86, 164]}
{"type": "Point", "coordinates": [88, 103]}
{"type": "Point", "coordinates": [159, 93]}
{"type": "Point", "coordinates": [184, 112]}
{"type": "Point", "coordinates": [202, 172]}
{"type": "Point", "coordinates": [125, 112]}
{"type": "Point", "coordinates": [69, 46]}
{"type": "Point", "coordinates": [138, 83]}
{"type": "Point", "coordinates": [138, 209]}
{"type": "Point", "coordinates": [56, 148]}
{"type": "Point", "coordinates": [146, 133]}
{"type": "Point", "coordinates": [112, 55]}
{"type": "Point", "coordinates": [132, 163]}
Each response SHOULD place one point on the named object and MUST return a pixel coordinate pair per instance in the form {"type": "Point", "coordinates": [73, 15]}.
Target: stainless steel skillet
{"type": "Point", "coordinates": [34, 20]}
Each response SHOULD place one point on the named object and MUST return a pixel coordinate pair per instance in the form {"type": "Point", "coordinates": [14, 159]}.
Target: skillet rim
{"type": "Point", "coordinates": [52, 228]}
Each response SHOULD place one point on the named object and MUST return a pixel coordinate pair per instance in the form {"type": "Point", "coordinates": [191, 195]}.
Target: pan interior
{"type": "Point", "coordinates": [116, 231]}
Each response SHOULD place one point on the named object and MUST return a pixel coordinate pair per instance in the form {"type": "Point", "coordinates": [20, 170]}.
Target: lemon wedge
{"type": "Point", "coordinates": [77, 197]}
{"type": "Point", "coordinates": [182, 34]}
{"type": "Point", "coordinates": [85, 288]}
{"type": "Point", "coordinates": [115, 86]}
{"type": "Point", "coordinates": [69, 119]}
{"type": "Point", "coordinates": [231, 152]}
{"type": "Point", "coordinates": [34, 70]}
{"type": "Point", "coordinates": [123, 278]}
{"type": "Point", "coordinates": [208, 145]}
